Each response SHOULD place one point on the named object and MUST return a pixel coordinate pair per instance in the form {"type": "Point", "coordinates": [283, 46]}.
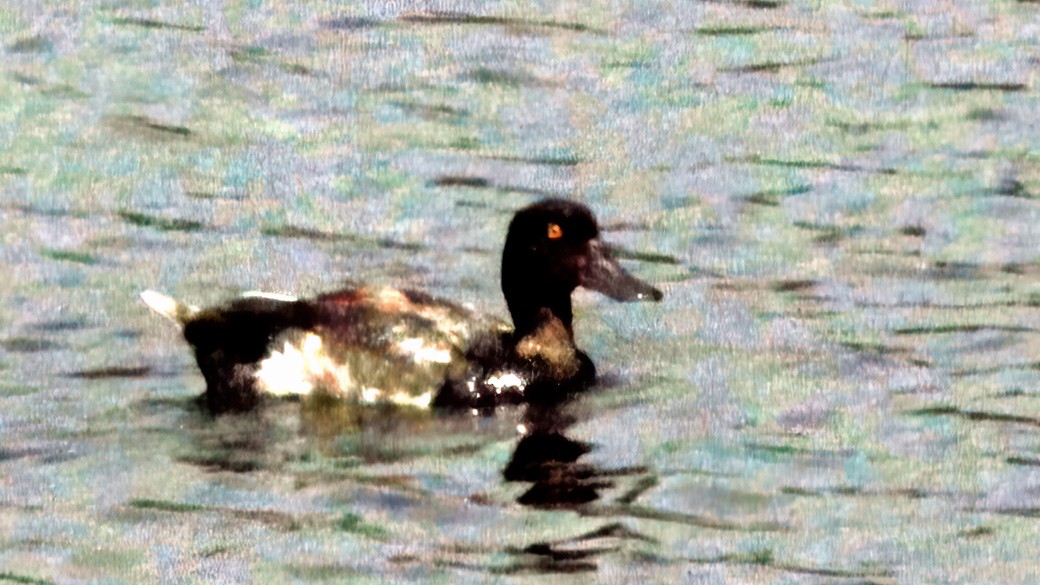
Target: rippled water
{"type": "Point", "coordinates": [838, 199]}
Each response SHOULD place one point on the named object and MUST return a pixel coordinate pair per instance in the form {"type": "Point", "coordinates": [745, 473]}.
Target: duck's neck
{"type": "Point", "coordinates": [544, 335]}
{"type": "Point", "coordinates": [535, 293]}
{"type": "Point", "coordinates": [533, 308]}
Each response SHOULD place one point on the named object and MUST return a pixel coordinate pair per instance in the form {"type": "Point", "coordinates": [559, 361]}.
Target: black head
{"type": "Point", "coordinates": [553, 247]}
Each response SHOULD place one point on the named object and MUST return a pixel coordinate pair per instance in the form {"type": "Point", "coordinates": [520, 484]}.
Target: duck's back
{"type": "Point", "coordinates": [373, 345]}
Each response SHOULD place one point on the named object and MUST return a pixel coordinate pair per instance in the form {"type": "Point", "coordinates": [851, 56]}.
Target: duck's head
{"type": "Point", "coordinates": [553, 247]}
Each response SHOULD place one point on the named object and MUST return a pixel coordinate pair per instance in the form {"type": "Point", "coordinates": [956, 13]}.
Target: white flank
{"type": "Point", "coordinates": [422, 353]}
{"type": "Point", "coordinates": [301, 367]}
{"type": "Point", "coordinates": [506, 380]}
{"type": "Point", "coordinates": [375, 396]}
{"type": "Point", "coordinates": [168, 306]}
{"type": "Point", "coordinates": [258, 294]}
{"type": "Point", "coordinates": [405, 399]}
{"type": "Point", "coordinates": [371, 395]}
{"type": "Point", "coordinates": [297, 368]}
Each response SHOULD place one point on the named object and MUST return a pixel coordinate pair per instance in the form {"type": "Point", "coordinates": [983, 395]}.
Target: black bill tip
{"type": "Point", "coordinates": [654, 295]}
{"type": "Point", "coordinates": [603, 274]}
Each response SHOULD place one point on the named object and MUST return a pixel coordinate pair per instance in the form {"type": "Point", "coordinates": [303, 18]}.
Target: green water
{"type": "Point", "coordinates": [838, 199]}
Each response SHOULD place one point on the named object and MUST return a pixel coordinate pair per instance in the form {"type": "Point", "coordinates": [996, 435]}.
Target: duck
{"type": "Point", "coordinates": [406, 348]}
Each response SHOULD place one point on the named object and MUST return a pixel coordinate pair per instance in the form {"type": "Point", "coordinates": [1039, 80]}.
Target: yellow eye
{"type": "Point", "coordinates": [555, 232]}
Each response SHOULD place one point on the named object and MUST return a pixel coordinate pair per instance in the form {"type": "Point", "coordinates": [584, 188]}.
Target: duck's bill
{"type": "Point", "coordinates": [603, 274]}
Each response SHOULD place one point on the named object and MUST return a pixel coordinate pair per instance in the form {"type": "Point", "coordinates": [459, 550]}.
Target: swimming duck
{"type": "Point", "coordinates": [403, 347]}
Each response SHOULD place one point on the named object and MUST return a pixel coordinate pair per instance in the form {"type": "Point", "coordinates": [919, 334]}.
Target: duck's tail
{"type": "Point", "coordinates": [169, 307]}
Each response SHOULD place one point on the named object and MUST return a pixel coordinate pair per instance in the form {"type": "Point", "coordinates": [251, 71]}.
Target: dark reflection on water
{"type": "Point", "coordinates": [549, 459]}
{"type": "Point", "coordinates": [321, 440]}
{"type": "Point", "coordinates": [239, 443]}
{"type": "Point", "coordinates": [576, 554]}
{"type": "Point", "coordinates": [348, 452]}
{"type": "Point", "coordinates": [330, 434]}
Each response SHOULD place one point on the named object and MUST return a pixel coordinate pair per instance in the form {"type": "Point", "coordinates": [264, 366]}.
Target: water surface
{"type": "Point", "coordinates": [838, 199]}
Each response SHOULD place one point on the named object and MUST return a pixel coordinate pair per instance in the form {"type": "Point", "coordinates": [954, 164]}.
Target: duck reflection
{"type": "Point", "coordinates": [550, 460]}
{"type": "Point", "coordinates": [546, 457]}
{"type": "Point", "coordinates": [308, 442]}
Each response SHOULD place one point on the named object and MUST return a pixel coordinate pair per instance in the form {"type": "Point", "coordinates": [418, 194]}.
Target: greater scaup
{"type": "Point", "coordinates": [382, 345]}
